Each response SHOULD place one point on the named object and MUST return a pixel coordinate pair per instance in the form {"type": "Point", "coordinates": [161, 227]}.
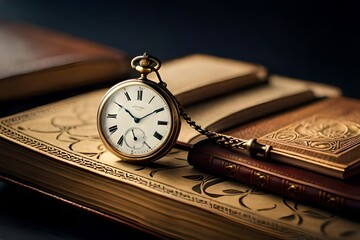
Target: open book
{"type": "Point", "coordinates": [56, 150]}
{"type": "Point", "coordinates": [222, 113]}
{"type": "Point", "coordinates": [198, 77]}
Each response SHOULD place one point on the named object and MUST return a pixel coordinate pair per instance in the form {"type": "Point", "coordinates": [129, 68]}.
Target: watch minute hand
{"type": "Point", "coordinates": [155, 111]}
{"type": "Point", "coordinates": [147, 115]}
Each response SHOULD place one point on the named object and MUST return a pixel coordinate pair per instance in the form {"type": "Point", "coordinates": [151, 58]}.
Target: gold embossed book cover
{"type": "Point", "coordinates": [56, 149]}
{"type": "Point", "coordinates": [327, 141]}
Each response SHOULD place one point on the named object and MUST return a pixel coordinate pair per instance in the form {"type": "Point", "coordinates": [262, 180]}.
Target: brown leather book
{"type": "Point", "coordinates": [287, 180]}
{"type": "Point", "coordinates": [35, 60]}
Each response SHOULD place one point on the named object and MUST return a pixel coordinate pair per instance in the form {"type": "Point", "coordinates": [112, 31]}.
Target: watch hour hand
{"type": "Point", "coordinates": [126, 110]}
{"type": "Point", "coordinates": [118, 104]}
{"type": "Point", "coordinates": [137, 120]}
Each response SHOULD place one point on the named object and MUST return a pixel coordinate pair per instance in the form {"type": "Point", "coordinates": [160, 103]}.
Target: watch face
{"type": "Point", "coordinates": [135, 120]}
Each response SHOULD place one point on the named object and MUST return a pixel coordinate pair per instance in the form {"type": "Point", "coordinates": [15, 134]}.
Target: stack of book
{"type": "Point", "coordinates": [201, 190]}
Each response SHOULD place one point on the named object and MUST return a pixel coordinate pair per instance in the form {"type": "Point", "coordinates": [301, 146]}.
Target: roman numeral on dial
{"type": "Point", "coordinates": [121, 140]}
{"type": "Point", "coordinates": [139, 94]}
{"type": "Point", "coordinates": [147, 145]}
{"type": "Point", "coordinates": [151, 100]}
{"type": "Point", "coordinates": [113, 129]}
{"type": "Point", "coordinates": [127, 96]}
{"type": "Point", "coordinates": [111, 115]}
{"type": "Point", "coordinates": [158, 135]}
{"type": "Point", "coordinates": [162, 123]}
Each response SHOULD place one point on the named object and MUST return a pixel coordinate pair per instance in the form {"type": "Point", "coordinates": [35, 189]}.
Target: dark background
{"type": "Point", "coordinates": [311, 40]}
{"type": "Point", "coordinates": [314, 40]}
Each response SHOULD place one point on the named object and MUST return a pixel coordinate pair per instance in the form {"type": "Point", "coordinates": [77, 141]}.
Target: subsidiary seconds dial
{"type": "Point", "coordinates": [135, 138]}
{"type": "Point", "coordinates": [135, 120]}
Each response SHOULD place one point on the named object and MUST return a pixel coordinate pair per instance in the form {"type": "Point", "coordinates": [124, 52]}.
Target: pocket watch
{"type": "Point", "coordinates": [138, 119]}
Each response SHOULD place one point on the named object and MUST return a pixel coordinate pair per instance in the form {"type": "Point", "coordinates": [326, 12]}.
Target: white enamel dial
{"type": "Point", "coordinates": [135, 120]}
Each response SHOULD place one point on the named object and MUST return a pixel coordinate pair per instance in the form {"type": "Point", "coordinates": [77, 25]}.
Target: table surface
{"type": "Point", "coordinates": [318, 43]}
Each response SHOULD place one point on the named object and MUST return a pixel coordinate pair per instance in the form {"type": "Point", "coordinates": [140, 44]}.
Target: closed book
{"type": "Point", "coordinates": [285, 180]}
{"type": "Point", "coordinates": [340, 130]}
{"type": "Point", "coordinates": [35, 61]}
{"type": "Point", "coordinates": [323, 137]}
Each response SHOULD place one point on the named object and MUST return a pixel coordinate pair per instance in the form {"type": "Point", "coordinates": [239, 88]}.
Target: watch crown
{"type": "Point", "coordinates": [145, 64]}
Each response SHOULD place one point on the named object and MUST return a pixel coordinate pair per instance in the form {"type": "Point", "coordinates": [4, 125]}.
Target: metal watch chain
{"type": "Point", "coordinates": [253, 147]}
{"type": "Point", "coordinates": [218, 137]}
{"type": "Point", "coordinates": [222, 139]}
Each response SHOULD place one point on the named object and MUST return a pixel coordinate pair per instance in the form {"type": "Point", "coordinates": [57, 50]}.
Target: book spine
{"type": "Point", "coordinates": [212, 163]}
